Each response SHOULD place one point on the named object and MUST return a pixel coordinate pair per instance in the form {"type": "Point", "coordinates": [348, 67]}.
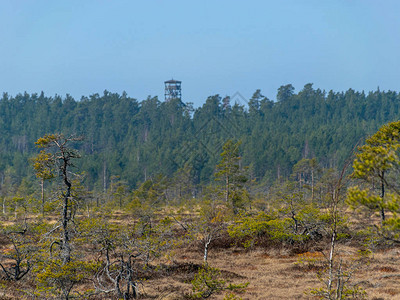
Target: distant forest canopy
{"type": "Point", "coordinates": [138, 140]}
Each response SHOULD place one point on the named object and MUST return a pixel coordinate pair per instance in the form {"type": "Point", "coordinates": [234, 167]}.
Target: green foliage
{"type": "Point", "coordinates": [250, 227]}
{"type": "Point", "coordinates": [43, 167]}
{"type": "Point", "coordinates": [152, 191]}
{"type": "Point", "coordinates": [291, 218]}
{"type": "Point", "coordinates": [57, 279]}
{"type": "Point", "coordinates": [357, 196]}
{"type": "Point", "coordinates": [377, 166]}
{"type": "Point", "coordinates": [232, 176]}
{"type": "Point", "coordinates": [208, 281]}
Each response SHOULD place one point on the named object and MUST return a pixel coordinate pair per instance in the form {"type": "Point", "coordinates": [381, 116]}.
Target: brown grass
{"type": "Point", "coordinates": [273, 271]}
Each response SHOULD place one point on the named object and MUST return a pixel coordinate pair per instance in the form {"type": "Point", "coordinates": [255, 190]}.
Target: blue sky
{"type": "Point", "coordinates": [213, 47]}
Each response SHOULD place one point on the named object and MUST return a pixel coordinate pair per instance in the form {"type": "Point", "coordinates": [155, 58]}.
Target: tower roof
{"type": "Point", "coordinates": [172, 81]}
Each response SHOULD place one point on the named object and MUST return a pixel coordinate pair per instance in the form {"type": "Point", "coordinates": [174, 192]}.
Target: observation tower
{"type": "Point", "coordinates": [172, 90]}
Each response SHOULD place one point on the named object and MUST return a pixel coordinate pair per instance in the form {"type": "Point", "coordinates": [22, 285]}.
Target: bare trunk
{"type": "Point", "coordinates": [340, 284]}
{"type": "Point", "coordinates": [206, 245]}
{"type": "Point", "coordinates": [382, 212]}
{"type": "Point", "coordinates": [66, 247]}
{"type": "Point", "coordinates": [331, 257]}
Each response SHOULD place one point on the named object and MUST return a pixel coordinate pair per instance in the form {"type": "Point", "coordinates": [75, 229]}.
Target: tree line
{"type": "Point", "coordinates": [137, 140]}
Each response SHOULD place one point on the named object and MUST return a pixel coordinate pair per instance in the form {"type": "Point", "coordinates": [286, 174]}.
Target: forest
{"type": "Point", "coordinates": [111, 198]}
{"type": "Point", "coordinates": [139, 140]}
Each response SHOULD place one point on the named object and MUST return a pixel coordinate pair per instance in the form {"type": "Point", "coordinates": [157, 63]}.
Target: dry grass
{"type": "Point", "coordinates": [277, 274]}
{"type": "Point", "coordinates": [274, 272]}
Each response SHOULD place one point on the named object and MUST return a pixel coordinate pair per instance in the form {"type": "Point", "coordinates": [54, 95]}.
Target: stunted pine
{"type": "Point", "coordinates": [56, 160]}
